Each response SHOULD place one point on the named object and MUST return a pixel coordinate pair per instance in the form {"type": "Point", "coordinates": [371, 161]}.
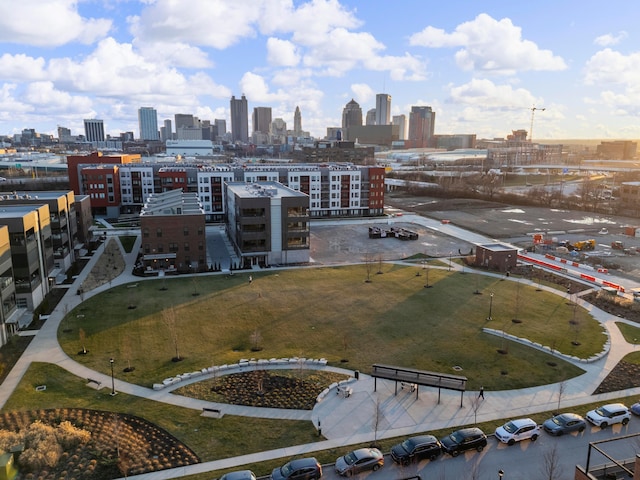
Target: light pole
{"type": "Point", "coordinates": [490, 306]}
{"type": "Point", "coordinates": [500, 474]}
{"type": "Point", "coordinates": [113, 382]}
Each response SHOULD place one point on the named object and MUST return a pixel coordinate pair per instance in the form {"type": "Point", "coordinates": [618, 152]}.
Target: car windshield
{"type": "Point", "coordinates": [558, 420]}
{"type": "Point", "coordinates": [456, 437]}
{"type": "Point", "coordinates": [603, 412]}
{"type": "Point", "coordinates": [350, 458]}
{"type": "Point", "coordinates": [286, 470]}
{"type": "Point", "coordinates": [407, 445]}
{"type": "Point", "coordinates": [510, 427]}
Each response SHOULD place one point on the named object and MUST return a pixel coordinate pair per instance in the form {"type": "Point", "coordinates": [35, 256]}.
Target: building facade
{"type": "Point", "coordinates": [94, 130]}
{"type": "Point", "coordinates": [148, 123]}
{"type": "Point", "coordinates": [383, 109]}
{"type": "Point", "coordinates": [422, 121]}
{"type": "Point", "coordinates": [9, 312]}
{"type": "Point", "coordinates": [297, 122]}
{"type": "Point", "coordinates": [239, 119]}
{"type": "Point", "coordinates": [401, 122]}
{"type": "Point", "coordinates": [173, 233]}
{"type": "Point", "coordinates": [268, 223]}
{"type": "Point", "coordinates": [351, 115]}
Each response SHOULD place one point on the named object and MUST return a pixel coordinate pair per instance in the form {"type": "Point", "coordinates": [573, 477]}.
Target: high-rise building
{"type": "Point", "coordinates": [221, 126]}
{"type": "Point", "coordinates": [422, 122]}
{"type": "Point", "coordinates": [383, 109]}
{"type": "Point", "coordinates": [401, 121]}
{"type": "Point", "coordinates": [64, 134]}
{"type": "Point", "coordinates": [94, 130]}
{"type": "Point", "coordinates": [371, 117]}
{"type": "Point", "coordinates": [351, 115]}
{"type": "Point", "coordinates": [166, 132]}
{"type": "Point", "coordinates": [239, 119]}
{"type": "Point", "coordinates": [262, 120]}
{"type": "Point", "coordinates": [184, 120]}
{"type": "Point", "coordinates": [148, 123]}
{"type": "Point", "coordinates": [297, 122]}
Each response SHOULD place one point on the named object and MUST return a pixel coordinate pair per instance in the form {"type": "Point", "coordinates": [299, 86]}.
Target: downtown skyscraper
{"type": "Point", "coordinates": [148, 123]}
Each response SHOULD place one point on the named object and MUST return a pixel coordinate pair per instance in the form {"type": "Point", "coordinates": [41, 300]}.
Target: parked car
{"type": "Point", "coordinates": [635, 408]}
{"type": "Point", "coordinates": [465, 439]}
{"type": "Point", "coordinates": [359, 460]}
{"type": "Point", "coordinates": [564, 423]}
{"type": "Point", "coordinates": [300, 469]}
{"type": "Point", "coordinates": [416, 448]}
{"type": "Point", "coordinates": [609, 414]}
{"type": "Point", "coordinates": [239, 475]}
{"type": "Point", "coordinates": [518, 430]}
{"type": "Point", "coordinates": [603, 231]}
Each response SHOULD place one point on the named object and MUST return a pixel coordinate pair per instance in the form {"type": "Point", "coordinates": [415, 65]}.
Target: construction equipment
{"type": "Point", "coordinates": [585, 245]}
{"type": "Point", "coordinates": [617, 245]}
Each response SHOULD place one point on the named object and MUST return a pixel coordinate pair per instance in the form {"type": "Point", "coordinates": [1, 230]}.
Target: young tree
{"type": "Point", "coordinates": [551, 468]}
{"type": "Point", "coordinates": [368, 263]}
{"type": "Point", "coordinates": [562, 387]}
{"type": "Point", "coordinates": [83, 339]}
{"type": "Point", "coordinates": [169, 318]}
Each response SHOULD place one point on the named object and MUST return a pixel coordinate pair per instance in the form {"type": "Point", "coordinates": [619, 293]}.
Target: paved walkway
{"type": "Point", "coordinates": [342, 421]}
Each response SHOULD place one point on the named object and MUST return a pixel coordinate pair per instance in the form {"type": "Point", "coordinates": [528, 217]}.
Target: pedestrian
{"type": "Point", "coordinates": [250, 279]}
{"type": "Point", "coordinates": [481, 393]}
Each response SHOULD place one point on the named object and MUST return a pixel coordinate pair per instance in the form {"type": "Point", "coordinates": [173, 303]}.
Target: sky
{"type": "Point", "coordinates": [483, 66]}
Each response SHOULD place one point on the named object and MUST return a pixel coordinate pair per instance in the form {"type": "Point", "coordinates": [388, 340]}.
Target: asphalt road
{"type": "Point", "coordinates": [524, 461]}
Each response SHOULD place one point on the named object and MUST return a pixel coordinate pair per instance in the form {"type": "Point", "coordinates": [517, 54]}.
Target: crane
{"type": "Point", "coordinates": [533, 112]}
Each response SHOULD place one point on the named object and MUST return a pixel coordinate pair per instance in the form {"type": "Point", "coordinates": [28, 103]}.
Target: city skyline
{"type": "Point", "coordinates": [481, 66]}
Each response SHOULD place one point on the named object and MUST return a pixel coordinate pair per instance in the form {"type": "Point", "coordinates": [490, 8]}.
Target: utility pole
{"type": "Point", "coordinates": [533, 112]}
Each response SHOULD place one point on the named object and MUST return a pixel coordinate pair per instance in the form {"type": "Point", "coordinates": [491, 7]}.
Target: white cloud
{"type": "Point", "coordinates": [218, 24]}
{"type": "Point", "coordinates": [10, 107]}
{"type": "Point", "coordinates": [174, 54]}
{"type": "Point", "coordinates": [256, 88]}
{"type": "Point", "coordinates": [21, 67]}
{"type": "Point", "coordinates": [484, 93]}
{"type": "Point", "coordinates": [490, 45]}
{"type": "Point", "coordinates": [611, 67]}
{"type": "Point", "coordinates": [46, 99]}
{"type": "Point", "coordinates": [363, 93]}
{"type": "Point", "coordinates": [610, 39]}
{"type": "Point", "coordinates": [49, 23]}
{"type": "Point", "coordinates": [282, 53]}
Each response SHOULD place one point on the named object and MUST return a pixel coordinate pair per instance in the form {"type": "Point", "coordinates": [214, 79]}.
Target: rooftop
{"type": "Point", "coordinates": [172, 202]}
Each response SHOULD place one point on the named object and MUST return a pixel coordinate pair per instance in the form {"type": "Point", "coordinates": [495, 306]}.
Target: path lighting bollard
{"type": "Point", "coordinates": [490, 306]}
{"type": "Point", "coordinates": [500, 474]}
{"type": "Point", "coordinates": [113, 382]}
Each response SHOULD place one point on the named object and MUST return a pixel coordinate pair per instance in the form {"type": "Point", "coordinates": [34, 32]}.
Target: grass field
{"type": "Point", "coordinates": [332, 313]}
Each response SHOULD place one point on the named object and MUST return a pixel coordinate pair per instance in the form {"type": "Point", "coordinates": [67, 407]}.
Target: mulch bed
{"type": "Point", "coordinates": [623, 376]}
{"type": "Point", "coordinates": [145, 447]}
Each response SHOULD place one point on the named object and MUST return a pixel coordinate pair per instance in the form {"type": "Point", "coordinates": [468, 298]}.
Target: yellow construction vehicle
{"type": "Point", "coordinates": [585, 245]}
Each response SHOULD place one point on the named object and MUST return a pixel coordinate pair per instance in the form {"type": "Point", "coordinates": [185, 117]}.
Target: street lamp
{"type": "Point", "coordinates": [490, 306]}
{"type": "Point", "coordinates": [500, 474]}
{"type": "Point", "coordinates": [113, 382]}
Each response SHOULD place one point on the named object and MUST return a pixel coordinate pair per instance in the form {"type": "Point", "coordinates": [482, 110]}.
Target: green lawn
{"type": "Point", "coordinates": [127, 242]}
{"type": "Point", "coordinates": [333, 313]}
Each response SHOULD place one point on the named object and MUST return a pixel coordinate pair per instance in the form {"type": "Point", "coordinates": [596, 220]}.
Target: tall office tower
{"type": "Point", "coordinates": [422, 121]}
{"type": "Point", "coordinates": [401, 121]}
{"type": "Point", "coordinates": [239, 119]}
{"type": "Point", "coordinates": [94, 130]}
{"type": "Point", "coordinates": [371, 117]}
{"type": "Point", "coordinates": [383, 109]}
{"type": "Point", "coordinates": [166, 133]}
{"type": "Point", "coordinates": [148, 123]}
{"type": "Point", "coordinates": [351, 115]}
{"type": "Point", "coordinates": [297, 122]}
{"type": "Point", "coordinates": [221, 125]}
{"type": "Point", "coordinates": [184, 120]}
{"type": "Point", "coordinates": [262, 119]}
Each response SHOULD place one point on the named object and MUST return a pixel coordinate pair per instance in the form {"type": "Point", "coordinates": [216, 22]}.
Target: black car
{"type": "Point", "coordinates": [300, 469]}
{"type": "Point", "coordinates": [465, 439]}
{"type": "Point", "coordinates": [239, 475]}
{"type": "Point", "coordinates": [416, 448]}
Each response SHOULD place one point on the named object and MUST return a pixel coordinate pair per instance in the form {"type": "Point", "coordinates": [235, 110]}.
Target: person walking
{"type": "Point", "coordinates": [481, 393]}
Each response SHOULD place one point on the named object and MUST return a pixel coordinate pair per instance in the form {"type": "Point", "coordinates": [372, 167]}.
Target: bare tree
{"type": "Point", "coordinates": [562, 387]}
{"type": "Point", "coordinates": [368, 263]}
{"type": "Point", "coordinates": [377, 417]}
{"type": "Point", "coordinates": [551, 468]}
{"type": "Point", "coordinates": [475, 406]}
{"type": "Point", "coordinates": [169, 319]}
{"type": "Point", "coordinates": [83, 339]}
{"type": "Point", "coordinates": [256, 339]}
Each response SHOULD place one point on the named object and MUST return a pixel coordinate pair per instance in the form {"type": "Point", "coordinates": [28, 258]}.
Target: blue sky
{"type": "Point", "coordinates": [481, 65]}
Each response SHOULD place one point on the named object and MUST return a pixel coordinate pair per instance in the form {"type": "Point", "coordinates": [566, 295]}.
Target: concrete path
{"type": "Point", "coordinates": [342, 421]}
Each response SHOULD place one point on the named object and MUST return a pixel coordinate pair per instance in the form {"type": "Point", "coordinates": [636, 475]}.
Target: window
{"type": "Point", "coordinates": [159, 233]}
{"type": "Point", "coordinates": [147, 248]}
{"type": "Point", "coordinates": [173, 247]}
{"type": "Point", "coordinates": [186, 231]}
{"type": "Point", "coordinates": [200, 246]}
{"type": "Point", "coordinates": [160, 248]}
{"type": "Point", "coordinates": [186, 246]}
{"type": "Point", "coordinates": [200, 230]}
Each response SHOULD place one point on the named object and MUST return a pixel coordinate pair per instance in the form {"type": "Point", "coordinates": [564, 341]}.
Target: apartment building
{"type": "Point", "coordinates": [173, 233]}
{"type": "Point", "coordinates": [268, 223]}
{"type": "Point", "coordinates": [9, 313]}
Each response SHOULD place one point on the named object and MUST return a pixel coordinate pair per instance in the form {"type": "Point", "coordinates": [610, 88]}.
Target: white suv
{"type": "Point", "coordinates": [516, 430]}
{"type": "Point", "coordinates": [609, 414]}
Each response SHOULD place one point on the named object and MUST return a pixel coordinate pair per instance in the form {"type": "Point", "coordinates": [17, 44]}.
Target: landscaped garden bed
{"type": "Point", "coordinates": [294, 389]}
{"type": "Point", "coordinates": [105, 445]}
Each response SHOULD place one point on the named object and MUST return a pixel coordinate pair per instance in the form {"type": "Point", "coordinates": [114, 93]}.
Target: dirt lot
{"type": "Point", "coordinates": [515, 224]}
